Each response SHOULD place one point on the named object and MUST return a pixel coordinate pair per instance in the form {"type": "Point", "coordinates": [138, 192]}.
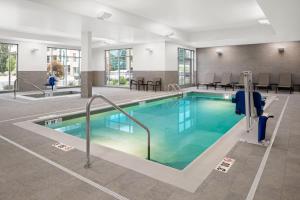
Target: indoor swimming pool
{"type": "Point", "coordinates": [181, 128]}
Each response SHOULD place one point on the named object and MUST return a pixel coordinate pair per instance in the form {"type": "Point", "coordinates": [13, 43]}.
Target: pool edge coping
{"type": "Point", "coordinates": [188, 179]}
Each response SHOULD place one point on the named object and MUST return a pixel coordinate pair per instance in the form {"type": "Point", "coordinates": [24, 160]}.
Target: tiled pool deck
{"type": "Point", "coordinates": [24, 176]}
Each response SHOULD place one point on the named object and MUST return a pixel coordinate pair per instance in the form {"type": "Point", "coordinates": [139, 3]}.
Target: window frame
{"type": "Point", "coordinates": [192, 66]}
{"type": "Point", "coordinates": [17, 62]}
{"type": "Point", "coordinates": [106, 58]}
{"type": "Point", "coordinates": [65, 61]}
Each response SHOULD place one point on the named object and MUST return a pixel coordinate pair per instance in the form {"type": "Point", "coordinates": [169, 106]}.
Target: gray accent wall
{"type": "Point", "coordinates": [39, 78]}
{"type": "Point", "coordinates": [86, 84]}
{"type": "Point", "coordinates": [258, 58]}
{"type": "Point", "coordinates": [98, 78]}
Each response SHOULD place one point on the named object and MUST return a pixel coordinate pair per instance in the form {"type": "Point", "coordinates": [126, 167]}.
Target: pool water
{"type": "Point", "coordinates": [181, 128]}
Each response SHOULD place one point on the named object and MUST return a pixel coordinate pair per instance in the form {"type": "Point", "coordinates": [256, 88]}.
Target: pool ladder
{"type": "Point", "coordinates": [88, 126]}
{"type": "Point", "coordinates": [175, 87]}
{"type": "Point", "coordinates": [25, 81]}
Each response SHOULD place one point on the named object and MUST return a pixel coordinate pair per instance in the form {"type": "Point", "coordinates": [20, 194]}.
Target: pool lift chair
{"type": "Point", "coordinates": [251, 103]}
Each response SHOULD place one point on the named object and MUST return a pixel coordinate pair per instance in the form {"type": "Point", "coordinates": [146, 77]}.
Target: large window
{"type": "Point", "coordinates": [65, 63]}
{"type": "Point", "coordinates": [8, 65]}
{"type": "Point", "coordinates": [185, 67]}
{"type": "Point", "coordinates": [118, 67]}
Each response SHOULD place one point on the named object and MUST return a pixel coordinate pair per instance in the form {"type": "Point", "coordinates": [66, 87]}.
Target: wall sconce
{"type": "Point", "coordinates": [150, 51]}
{"type": "Point", "coordinates": [34, 50]}
{"type": "Point", "coordinates": [281, 50]}
{"type": "Point", "coordinates": [219, 52]}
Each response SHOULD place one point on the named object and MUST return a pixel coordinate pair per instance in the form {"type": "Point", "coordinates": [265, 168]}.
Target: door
{"type": "Point", "coordinates": [118, 67]}
{"type": "Point", "coordinates": [185, 67]}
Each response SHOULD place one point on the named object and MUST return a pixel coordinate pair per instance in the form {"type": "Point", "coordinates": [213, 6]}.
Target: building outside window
{"type": "Point", "coordinates": [8, 65]}
{"type": "Point", "coordinates": [118, 67]}
{"type": "Point", "coordinates": [65, 64]}
{"type": "Point", "coordinates": [186, 67]}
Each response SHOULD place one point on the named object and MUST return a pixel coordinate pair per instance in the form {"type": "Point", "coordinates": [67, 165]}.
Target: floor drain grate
{"type": "Point", "coordinates": [225, 165]}
{"type": "Point", "coordinates": [62, 147]}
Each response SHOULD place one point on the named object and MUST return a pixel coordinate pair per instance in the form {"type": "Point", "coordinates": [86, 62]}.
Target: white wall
{"type": "Point", "coordinates": [143, 60]}
{"type": "Point", "coordinates": [32, 56]}
{"type": "Point", "coordinates": [171, 63]}
{"type": "Point", "coordinates": [29, 60]}
{"type": "Point", "coordinates": [164, 56]}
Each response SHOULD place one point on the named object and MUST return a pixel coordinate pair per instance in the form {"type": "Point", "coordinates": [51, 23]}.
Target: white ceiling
{"type": "Point", "coordinates": [194, 15]}
{"type": "Point", "coordinates": [197, 23]}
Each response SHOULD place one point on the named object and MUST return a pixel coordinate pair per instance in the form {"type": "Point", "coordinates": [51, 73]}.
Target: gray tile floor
{"type": "Point", "coordinates": [23, 176]}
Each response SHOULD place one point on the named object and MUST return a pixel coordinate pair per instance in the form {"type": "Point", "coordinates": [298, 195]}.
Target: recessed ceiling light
{"type": "Point", "coordinates": [264, 21]}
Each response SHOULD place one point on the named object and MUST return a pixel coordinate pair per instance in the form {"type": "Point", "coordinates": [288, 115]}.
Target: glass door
{"type": "Point", "coordinates": [185, 67]}
{"type": "Point", "coordinates": [118, 67]}
{"type": "Point", "coordinates": [8, 66]}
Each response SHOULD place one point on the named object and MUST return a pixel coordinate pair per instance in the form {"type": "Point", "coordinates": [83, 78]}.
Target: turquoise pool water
{"type": "Point", "coordinates": [181, 128]}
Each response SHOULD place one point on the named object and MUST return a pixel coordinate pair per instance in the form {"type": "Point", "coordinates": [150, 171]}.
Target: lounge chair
{"type": "Point", "coordinates": [137, 82]}
{"type": "Point", "coordinates": [155, 83]}
{"type": "Point", "coordinates": [263, 81]}
{"type": "Point", "coordinates": [285, 82]}
{"type": "Point", "coordinates": [240, 84]}
{"type": "Point", "coordinates": [209, 81]}
{"type": "Point", "coordinates": [226, 81]}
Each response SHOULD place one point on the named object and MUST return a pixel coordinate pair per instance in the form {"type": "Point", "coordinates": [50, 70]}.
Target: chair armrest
{"type": "Point", "coordinates": [149, 82]}
{"type": "Point", "coordinates": [140, 82]}
{"type": "Point", "coordinates": [133, 81]}
{"type": "Point", "coordinates": [158, 83]}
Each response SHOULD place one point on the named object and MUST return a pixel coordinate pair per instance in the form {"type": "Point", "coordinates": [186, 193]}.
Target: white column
{"type": "Point", "coordinates": [86, 59]}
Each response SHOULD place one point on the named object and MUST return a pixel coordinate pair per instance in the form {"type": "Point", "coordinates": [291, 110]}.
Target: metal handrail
{"type": "Point", "coordinates": [88, 128]}
{"type": "Point", "coordinates": [175, 87]}
{"type": "Point", "coordinates": [28, 82]}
